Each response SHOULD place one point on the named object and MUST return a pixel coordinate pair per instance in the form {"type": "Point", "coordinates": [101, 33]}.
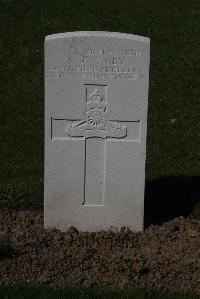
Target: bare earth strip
{"type": "Point", "coordinates": [165, 257]}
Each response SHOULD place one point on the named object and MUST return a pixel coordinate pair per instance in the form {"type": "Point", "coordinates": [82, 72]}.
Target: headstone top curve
{"type": "Point", "coordinates": [97, 34]}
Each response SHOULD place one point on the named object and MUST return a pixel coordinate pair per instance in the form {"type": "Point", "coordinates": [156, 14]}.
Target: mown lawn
{"type": "Point", "coordinates": [174, 94]}
{"type": "Point", "coordinates": [22, 291]}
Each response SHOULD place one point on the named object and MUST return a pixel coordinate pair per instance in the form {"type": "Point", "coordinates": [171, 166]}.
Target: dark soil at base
{"type": "Point", "coordinates": [165, 256]}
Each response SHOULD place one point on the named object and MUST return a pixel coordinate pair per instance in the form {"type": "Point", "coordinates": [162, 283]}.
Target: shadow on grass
{"type": "Point", "coordinates": [170, 197]}
{"type": "Point", "coordinates": [165, 199]}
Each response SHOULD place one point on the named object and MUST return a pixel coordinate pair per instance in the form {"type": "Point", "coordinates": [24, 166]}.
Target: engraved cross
{"type": "Point", "coordinates": [97, 128]}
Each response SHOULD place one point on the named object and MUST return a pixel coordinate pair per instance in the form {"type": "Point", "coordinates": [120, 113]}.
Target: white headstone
{"type": "Point", "coordinates": [96, 97]}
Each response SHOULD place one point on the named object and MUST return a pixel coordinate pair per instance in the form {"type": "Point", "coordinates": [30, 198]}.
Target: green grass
{"type": "Point", "coordinates": [174, 93]}
{"type": "Point", "coordinates": [19, 292]}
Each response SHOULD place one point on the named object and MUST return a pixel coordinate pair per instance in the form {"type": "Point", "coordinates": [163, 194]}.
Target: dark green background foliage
{"type": "Point", "coordinates": [173, 144]}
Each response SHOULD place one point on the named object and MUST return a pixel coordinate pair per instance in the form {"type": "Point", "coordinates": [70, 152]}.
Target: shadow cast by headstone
{"type": "Point", "coordinates": [170, 197]}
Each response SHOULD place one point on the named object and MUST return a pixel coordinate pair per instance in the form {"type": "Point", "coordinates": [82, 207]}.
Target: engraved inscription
{"type": "Point", "coordinates": [105, 73]}
{"type": "Point", "coordinates": [82, 62]}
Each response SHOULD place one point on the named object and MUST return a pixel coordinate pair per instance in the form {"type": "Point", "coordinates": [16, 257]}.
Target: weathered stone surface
{"type": "Point", "coordinates": [96, 97]}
